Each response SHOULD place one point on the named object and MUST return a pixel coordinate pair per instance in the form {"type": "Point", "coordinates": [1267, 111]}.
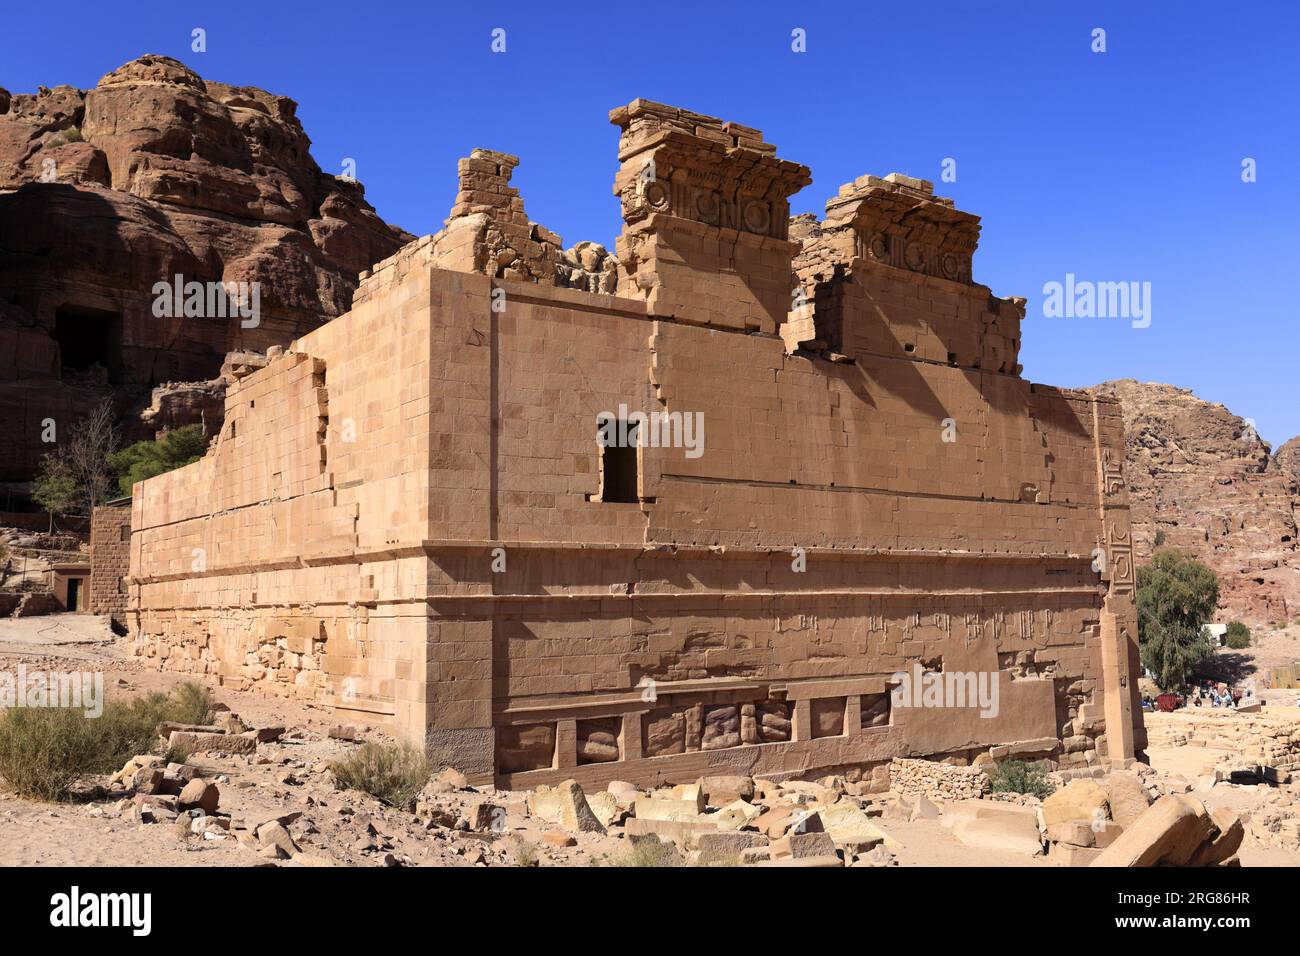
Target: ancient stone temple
{"type": "Point", "coordinates": [701, 505]}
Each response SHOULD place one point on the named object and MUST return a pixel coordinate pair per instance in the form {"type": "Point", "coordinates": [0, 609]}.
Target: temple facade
{"type": "Point", "coordinates": [723, 500]}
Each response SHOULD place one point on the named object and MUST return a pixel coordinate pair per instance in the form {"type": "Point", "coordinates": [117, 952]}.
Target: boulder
{"type": "Point", "coordinates": [274, 834]}
{"type": "Point", "coordinates": [199, 794]}
{"type": "Point", "coordinates": [1083, 800]}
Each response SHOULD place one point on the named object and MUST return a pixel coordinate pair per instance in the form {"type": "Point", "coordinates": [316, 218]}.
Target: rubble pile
{"type": "Point", "coordinates": [937, 780]}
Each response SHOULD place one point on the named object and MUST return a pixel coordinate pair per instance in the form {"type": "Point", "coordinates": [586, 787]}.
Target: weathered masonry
{"type": "Point", "coordinates": [409, 516]}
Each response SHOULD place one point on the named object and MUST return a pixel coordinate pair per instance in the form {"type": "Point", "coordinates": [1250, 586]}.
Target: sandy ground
{"type": "Point", "coordinates": [351, 828]}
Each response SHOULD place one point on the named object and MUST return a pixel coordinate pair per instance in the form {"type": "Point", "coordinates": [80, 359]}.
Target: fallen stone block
{"type": "Point", "coordinates": [212, 743]}
{"type": "Point", "coordinates": [565, 804]}
{"type": "Point", "coordinates": [1274, 775]}
{"type": "Point", "coordinates": [623, 792]}
{"type": "Point", "coordinates": [168, 727]}
{"type": "Point", "coordinates": [1126, 796]}
{"type": "Point", "coordinates": [660, 808]}
{"type": "Point", "coordinates": [728, 845]}
{"type": "Point", "coordinates": [736, 815]}
{"type": "Point", "coordinates": [681, 832]}
{"type": "Point", "coordinates": [689, 793]}
{"type": "Point", "coordinates": [1170, 832]}
{"type": "Point", "coordinates": [1105, 836]}
{"type": "Point", "coordinates": [802, 845]}
{"type": "Point", "coordinates": [924, 809]}
{"type": "Point", "coordinates": [1066, 854]}
{"type": "Point", "coordinates": [1229, 832]}
{"type": "Point", "coordinates": [995, 826]}
{"type": "Point", "coordinates": [850, 828]}
{"type": "Point", "coordinates": [1073, 832]}
{"type": "Point", "coordinates": [606, 808]}
{"type": "Point", "coordinates": [725, 789]}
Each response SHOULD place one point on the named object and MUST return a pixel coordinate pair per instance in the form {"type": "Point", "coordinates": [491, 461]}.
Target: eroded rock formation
{"type": "Point", "coordinates": [152, 174]}
{"type": "Point", "coordinates": [1203, 480]}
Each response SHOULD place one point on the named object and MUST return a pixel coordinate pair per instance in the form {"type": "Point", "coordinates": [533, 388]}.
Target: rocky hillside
{"type": "Point", "coordinates": [155, 173]}
{"type": "Point", "coordinates": [1201, 479]}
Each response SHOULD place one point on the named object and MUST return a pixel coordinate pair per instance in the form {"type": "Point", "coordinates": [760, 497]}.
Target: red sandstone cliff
{"type": "Point", "coordinates": [157, 172]}
{"type": "Point", "coordinates": [1202, 480]}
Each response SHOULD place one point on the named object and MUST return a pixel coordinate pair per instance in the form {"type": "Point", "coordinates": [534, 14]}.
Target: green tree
{"type": "Point", "coordinates": [55, 486]}
{"type": "Point", "coordinates": [145, 459]}
{"type": "Point", "coordinates": [1176, 598]}
{"type": "Point", "coordinates": [1238, 636]}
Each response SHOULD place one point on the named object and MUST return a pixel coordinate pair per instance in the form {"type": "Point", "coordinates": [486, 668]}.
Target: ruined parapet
{"type": "Point", "coordinates": [897, 221]}
{"type": "Point", "coordinates": [590, 267]}
{"type": "Point", "coordinates": [488, 230]}
{"type": "Point", "coordinates": [705, 218]}
{"type": "Point", "coordinates": [896, 236]}
{"type": "Point", "coordinates": [489, 233]}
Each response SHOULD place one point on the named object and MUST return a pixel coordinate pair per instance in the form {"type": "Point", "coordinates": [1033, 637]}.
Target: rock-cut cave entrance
{"type": "Point", "coordinates": [87, 337]}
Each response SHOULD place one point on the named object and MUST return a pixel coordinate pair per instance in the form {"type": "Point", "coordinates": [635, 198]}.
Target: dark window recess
{"type": "Point", "coordinates": [618, 467]}
{"type": "Point", "coordinates": [89, 337]}
{"type": "Point", "coordinates": [126, 532]}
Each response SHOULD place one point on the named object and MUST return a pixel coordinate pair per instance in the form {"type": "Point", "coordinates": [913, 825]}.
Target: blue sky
{"type": "Point", "coordinates": [1115, 166]}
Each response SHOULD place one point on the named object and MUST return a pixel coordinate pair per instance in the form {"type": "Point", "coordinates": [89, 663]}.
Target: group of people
{"type": "Point", "coordinates": [1207, 693]}
{"type": "Point", "coordinates": [1217, 695]}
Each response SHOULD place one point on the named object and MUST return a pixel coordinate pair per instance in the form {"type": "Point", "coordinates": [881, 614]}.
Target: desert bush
{"type": "Point", "coordinates": [1019, 776]}
{"type": "Point", "coordinates": [44, 751]}
{"type": "Point", "coordinates": [1238, 636]}
{"type": "Point", "coordinates": [522, 852]}
{"type": "Point", "coordinates": [648, 852]}
{"type": "Point", "coordinates": [394, 774]}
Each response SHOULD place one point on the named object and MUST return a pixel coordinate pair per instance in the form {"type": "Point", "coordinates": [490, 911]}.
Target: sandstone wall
{"type": "Point", "coordinates": [110, 561]}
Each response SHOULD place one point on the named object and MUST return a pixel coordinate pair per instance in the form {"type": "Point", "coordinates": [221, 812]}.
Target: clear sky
{"type": "Point", "coordinates": [1122, 166]}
